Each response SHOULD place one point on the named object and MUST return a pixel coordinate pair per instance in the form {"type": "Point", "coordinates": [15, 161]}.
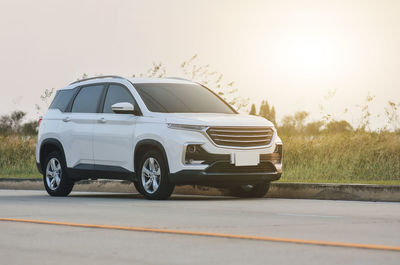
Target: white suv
{"type": "Point", "coordinates": [157, 133]}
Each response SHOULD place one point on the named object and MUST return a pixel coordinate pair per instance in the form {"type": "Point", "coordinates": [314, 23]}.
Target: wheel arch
{"type": "Point", "coordinates": [47, 146]}
{"type": "Point", "coordinates": [145, 145]}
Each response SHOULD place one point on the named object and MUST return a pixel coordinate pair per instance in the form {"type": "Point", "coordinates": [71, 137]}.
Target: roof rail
{"type": "Point", "coordinates": [178, 78]}
{"type": "Point", "coordinates": [97, 77]}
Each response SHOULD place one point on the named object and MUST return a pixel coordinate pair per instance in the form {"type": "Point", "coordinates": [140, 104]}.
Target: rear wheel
{"type": "Point", "coordinates": [250, 191]}
{"type": "Point", "coordinates": [153, 180]}
{"type": "Point", "coordinates": [55, 178]}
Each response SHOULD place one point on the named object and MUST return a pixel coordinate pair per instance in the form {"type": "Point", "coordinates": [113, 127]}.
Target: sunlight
{"type": "Point", "coordinates": [304, 55]}
{"type": "Point", "coordinates": [308, 54]}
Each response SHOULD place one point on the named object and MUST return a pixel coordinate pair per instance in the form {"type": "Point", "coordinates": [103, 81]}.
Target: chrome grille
{"type": "Point", "coordinates": [241, 136]}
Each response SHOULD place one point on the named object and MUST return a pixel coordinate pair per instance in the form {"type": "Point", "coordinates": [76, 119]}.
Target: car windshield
{"type": "Point", "coordinates": [183, 98]}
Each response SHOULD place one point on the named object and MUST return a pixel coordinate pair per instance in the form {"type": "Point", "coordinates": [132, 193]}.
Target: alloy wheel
{"type": "Point", "coordinates": [53, 173]}
{"type": "Point", "coordinates": [151, 175]}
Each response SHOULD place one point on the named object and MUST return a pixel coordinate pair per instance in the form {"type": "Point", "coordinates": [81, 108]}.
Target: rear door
{"type": "Point", "coordinates": [78, 124]}
{"type": "Point", "coordinates": [114, 133]}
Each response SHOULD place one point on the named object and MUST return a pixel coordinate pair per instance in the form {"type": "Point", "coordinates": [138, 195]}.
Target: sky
{"type": "Point", "coordinates": [319, 56]}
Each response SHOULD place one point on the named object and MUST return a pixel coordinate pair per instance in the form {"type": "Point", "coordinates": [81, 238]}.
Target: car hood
{"type": "Point", "coordinates": [216, 119]}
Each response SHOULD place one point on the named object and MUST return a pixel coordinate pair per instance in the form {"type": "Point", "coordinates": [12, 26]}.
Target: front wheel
{"type": "Point", "coordinates": [250, 191]}
{"type": "Point", "coordinates": [55, 176]}
{"type": "Point", "coordinates": [153, 181]}
{"type": "Point", "coordinates": [138, 187]}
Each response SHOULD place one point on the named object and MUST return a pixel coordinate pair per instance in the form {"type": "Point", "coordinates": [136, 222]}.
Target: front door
{"type": "Point", "coordinates": [114, 133]}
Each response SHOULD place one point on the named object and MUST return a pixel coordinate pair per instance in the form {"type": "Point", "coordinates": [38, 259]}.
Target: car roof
{"type": "Point", "coordinates": [160, 80]}
{"type": "Point", "coordinates": [100, 79]}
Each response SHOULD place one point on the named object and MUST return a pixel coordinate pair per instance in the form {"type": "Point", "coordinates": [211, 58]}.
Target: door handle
{"type": "Point", "coordinates": [102, 120]}
{"type": "Point", "coordinates": [66, 119]}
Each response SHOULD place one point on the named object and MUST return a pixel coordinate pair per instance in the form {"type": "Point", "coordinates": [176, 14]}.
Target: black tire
{"type": "Point", "coordinates": [65, 184]}
{"type": "Point", "coordinates": [164, 187]}
{"type": "Point", "coordinates": [137, 187]}
{"type": "Point", "coordinates": [250, 191]}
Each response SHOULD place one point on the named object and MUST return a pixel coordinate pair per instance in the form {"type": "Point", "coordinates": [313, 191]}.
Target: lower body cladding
{"type": "Point", "coordinates": [221, 170]}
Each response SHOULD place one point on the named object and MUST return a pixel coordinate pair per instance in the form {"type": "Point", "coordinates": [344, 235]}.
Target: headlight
{"type": "Point", "coordinates": [186, 127]}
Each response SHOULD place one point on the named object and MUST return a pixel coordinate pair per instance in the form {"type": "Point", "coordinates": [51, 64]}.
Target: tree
{"type": "Point", "coordinates": [300, 118]}
{"type": "Point", "coordinates": [11, 123]}
{"type": "Point", "coordinates": [29, 128]}
{"type": "Point", "coordinates": [313, 128]}
{"type": "Point", "coordinates": [273, 115]}
{"type": "Point", "coordinates": [338, 127]}
{"type": "Point", "coordinates": [288, 126]}
{"type": "Point", "coordinates": [267, 112]}
{"type": "Point", "coordinates": [5, 124]}
{"type": "Point", "coordinates": [253, 110]}
{"type": "Point", "coordinates": [294, 124]}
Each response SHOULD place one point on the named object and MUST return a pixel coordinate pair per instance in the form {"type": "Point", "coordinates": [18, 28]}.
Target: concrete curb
{"type": "Point", "coordinates": [355, 192]}
{"type": "Point", "coordinates": [351, 192]}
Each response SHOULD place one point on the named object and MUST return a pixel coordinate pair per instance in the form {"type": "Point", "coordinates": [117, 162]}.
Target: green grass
{"type": "Point", "coordinates": [22, 176]}
{"type": "Point", "coordinates": [342, 181]}
{"type": "Point", "coordinates": [368, 158]}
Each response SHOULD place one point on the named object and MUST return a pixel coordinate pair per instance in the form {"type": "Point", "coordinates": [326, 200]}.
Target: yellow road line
{"type": "Point", "coordinates": [220, 235]}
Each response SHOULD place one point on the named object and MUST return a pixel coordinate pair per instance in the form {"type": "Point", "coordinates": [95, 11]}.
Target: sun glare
{"type": "Point", "coordinates": [306, 55]}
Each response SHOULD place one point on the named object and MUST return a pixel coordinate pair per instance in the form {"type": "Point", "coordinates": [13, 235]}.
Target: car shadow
{"type": "Point", "coordinates": [42, 195]}
{"type": "Point", "coordinates": [174, 197]}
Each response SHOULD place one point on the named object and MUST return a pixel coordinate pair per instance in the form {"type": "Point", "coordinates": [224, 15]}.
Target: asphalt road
{"type": "Point", "coordinates": [337, 221]}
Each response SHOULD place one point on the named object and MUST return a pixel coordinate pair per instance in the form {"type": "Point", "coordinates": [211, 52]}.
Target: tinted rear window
{"type": "Point", "coordinates": [88, 98]}
{"type": "Point", "coordinates": [185, 98]}
{"type": "Point", "coordinates": [62, 99]}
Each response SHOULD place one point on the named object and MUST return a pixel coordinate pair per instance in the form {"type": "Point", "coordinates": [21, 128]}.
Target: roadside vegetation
{"type": "Point", "coordinates": [17, 156]}
{"type": "Point", "coordinates": [327, 158]}
{"type": "Point", "coordinates": [332, 151]}
{"type": "Point", "coordinates": [336, 154]}
{"type": "Point", "coordinates": [323, 151]}
{"type": "Point", "coordinates": [358, 157]}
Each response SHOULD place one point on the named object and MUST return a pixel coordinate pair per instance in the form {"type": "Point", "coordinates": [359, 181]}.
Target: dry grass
{"type": "Point", "coordinates": [346, 158]}
{"type": "Point", "coordinates": [17, 156]}
{"type": "Point", "coordinates": [339, 158]}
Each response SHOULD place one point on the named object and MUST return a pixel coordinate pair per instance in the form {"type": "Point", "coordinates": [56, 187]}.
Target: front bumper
{"type": "Point", "coordinates": [220, 172]}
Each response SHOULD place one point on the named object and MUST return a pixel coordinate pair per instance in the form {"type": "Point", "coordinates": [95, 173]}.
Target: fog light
{"type": "Point", "coordinates": [191, 149]}
{"type": "Point", "coordinates": [194, 154]}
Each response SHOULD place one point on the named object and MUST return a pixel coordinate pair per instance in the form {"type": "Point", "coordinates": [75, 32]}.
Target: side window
{"type": "Point", "coordinates": [62, 99]}
{"type": "Point", "coordinates": [87, 100]}
{"type": "Point", "coordinates": [115, 94]}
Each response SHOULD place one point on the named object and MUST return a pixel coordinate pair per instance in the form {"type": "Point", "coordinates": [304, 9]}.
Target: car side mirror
{"type": "Point", "coordinates": [123, 108]}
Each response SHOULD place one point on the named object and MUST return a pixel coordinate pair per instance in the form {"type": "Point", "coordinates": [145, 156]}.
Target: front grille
{"type": "Point", "coordinates": [226, 167]}
{"type": "Point", "coordinates": [241, 136]}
